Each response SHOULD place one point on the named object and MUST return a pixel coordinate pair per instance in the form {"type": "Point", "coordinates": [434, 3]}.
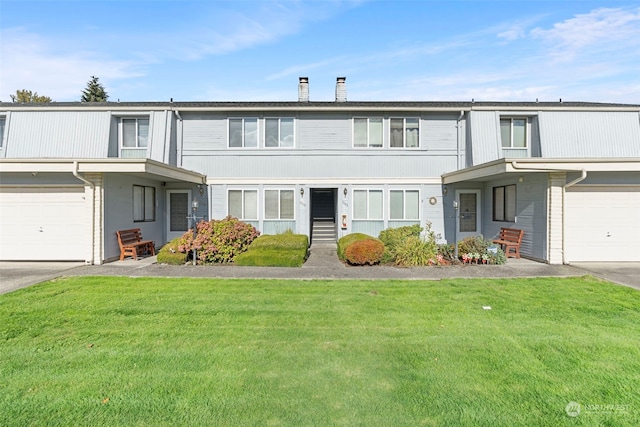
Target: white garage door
{"type": "Point", "coordinates": [602, 223]}
{"type": "Point", "coordinates": [43, 224]}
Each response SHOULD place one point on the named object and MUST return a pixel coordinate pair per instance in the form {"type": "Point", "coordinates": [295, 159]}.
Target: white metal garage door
{"type": "Point", "coordinates": [43, 224]}
{"type": "Point", "coordinates": [602, 223]}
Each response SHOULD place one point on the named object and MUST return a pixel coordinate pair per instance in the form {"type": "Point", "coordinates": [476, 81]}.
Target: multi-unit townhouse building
{"type": "Point", "coordinates": [567, 173]}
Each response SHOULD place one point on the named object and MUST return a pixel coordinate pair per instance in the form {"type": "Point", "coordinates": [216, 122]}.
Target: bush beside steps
{"type": "Point", "coordinates": [280, 250]}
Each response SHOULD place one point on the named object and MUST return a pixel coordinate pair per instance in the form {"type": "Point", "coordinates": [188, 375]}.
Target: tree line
{"type": "Point", "coordinates": [94, 92]}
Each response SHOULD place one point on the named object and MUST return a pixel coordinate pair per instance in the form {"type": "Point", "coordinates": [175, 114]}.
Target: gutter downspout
{"type": "Point", "coordinates": [93, 209]}
{"type": "Point", "coordinates": [583, 176]}
{"type": "Point", "coordinates": [458, 154]}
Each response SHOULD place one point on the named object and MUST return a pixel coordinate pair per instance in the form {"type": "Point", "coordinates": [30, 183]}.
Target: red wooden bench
{"type": "Point", "coordinates": [510, 240]}
{"type": "Point", "coordinates": [131, 242]}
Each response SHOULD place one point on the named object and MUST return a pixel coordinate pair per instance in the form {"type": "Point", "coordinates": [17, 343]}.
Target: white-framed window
{"type": "Point", "coordinates": [278, 204]}
{"type": "Point", "coordinates": [367, 132]}
{"type": "Point", "coordinates": [278, 132]}
{"type": "Point", "coordinates": [404, 204]}
{"type": "Point", "coordinates": [513, 132]}
{"type": "Point", "coordinates": [404, 132]}
{"type": "Point", "coordinates": [243, 133]}
{"type": "Point", "coordinates": [2, 123]}
{"type": "Point", "coordinates": [144, 203]}
{"type": "Point", "coordinates": [134, 132]}
{"type": "Point", "coordinates": [367, 204]}
{"type": "Point", "coordinates": [243, 204]}
{"type": "Point", "coordinates": [504, 203]}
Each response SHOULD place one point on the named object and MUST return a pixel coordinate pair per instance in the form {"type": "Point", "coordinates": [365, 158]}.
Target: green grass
{"type": "Point", "coordinates": [279, 250]}
{"type": "Point", "coordinates": [153, 352]}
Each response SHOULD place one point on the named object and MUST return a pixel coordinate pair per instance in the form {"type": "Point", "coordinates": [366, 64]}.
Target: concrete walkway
{"type": "Point", "coordinates": [323, 263]}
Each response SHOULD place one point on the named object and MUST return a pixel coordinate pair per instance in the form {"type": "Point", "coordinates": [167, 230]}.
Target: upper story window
{"type": "Point", "coordinates": [367, 204]}
{"type": "Point", "coordinates": [243, 204]}
{"type": "Point", "coordinates": [243, 133]}
{"type": "Point", "coordinates": [135, 132]}
{"type": "Point", "coordinates": [144, 203]}
{"type": "Point", "coordinates": [278, 204]}
{"type": "Point", "coordinates": [513, 132]}
{"type": "Point", "coordinates": [367, 132]}
{"type": "Point", "coordinates": [278, 132]}
{"type": "Point", "coordinates": [2, 121]}
{"type": "Point", "coordinates": [404, 204]}
{"type": "Point", "coordinates": [404, 133]}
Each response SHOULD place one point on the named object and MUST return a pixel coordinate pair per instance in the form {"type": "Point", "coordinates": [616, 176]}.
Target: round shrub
{"type": "Point", "coordinates": [219, 241]}
{"type": "Point", "coordinates": [169, 254]}
{"type": "Point", "coordinates": [363, 252]}
{"type": "Point", "coordinates": [345, 241]}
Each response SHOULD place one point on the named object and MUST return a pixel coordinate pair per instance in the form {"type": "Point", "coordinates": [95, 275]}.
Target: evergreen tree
{"type": "Point", "coordinates": [26, 96]}
{"type": "Point", "coordinates": [94, 92]}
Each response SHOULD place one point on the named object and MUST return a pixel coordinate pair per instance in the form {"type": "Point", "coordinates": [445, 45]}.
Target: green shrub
{"type": "Point", "coordinates": [363, 252]}
{"type": "Point", "coordinates": [345, 241]}
{"type": "Point", "coordinates": [219, 241]}
{"type": "Point", "coordinates": [394, 237]}
{"type": "Point", "coordinates": [414, 252]}
{"type": "Point", "coordinates": [169, 254]}
{"type": "Point", "coordinates": [280, 250]}
{"type": "Point", "coordinates": [447, 252]}
{"type": "Point", "coordinates": [481, 249]}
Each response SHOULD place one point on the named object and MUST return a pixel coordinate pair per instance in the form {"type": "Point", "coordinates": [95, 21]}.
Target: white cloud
{"type": "Point", "coordinates": [602, 29]}
{"type": "Point", "coordinates": [31, 62]}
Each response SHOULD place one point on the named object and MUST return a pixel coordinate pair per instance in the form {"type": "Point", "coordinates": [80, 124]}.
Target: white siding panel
{"type": "Point", "coordinates": [59, 134]}
{"type": "Point", "coordinates": [589, 134]}
{"type": "Point", "coordinates": [439, 132]}
{"type": "Point", "coordinates": [324, 132]}
{"type": "Point", "coordinates": [602, 223]}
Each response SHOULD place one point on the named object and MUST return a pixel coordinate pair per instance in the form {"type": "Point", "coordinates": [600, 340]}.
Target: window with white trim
{"type": "Point", "coordinates": [404, 204]}
{"type": "Point", "coordinates": [367, 204]}
{"type": "Point", "coordinates": [278, 204]}
{"type": "Point", "coordinates": [367, 132]}
{"type": "Point", "coordinates": [278, 132]}
{"type": "Point", "coordinates": [504, 203]}
{"type": "Point", "coordinates": [404, 132]}
{"type": "Point", "coordinates": [243, 204]}
{"type": "Point", "coordinates": [243, 133]}
{"type": "Point", "coordinates": [2, 122]}
{"type": "Point", "coordinates": [144, 203]}
{"type": "Point", "coordinates": [513, 132]}
{"type": "Point", "coordinates": [134, 132]}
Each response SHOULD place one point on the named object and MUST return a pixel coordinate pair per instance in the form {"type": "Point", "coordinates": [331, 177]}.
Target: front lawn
{"type": "Point", "coordinates": [153, 352]}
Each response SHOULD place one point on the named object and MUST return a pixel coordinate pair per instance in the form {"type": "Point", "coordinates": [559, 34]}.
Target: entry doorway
{"type": "Point", "coordinates": [468, 218]}
{"type": "Point", "coordinates": [178, 211]}
{"type": "Point", "coordinates": [323, 215]}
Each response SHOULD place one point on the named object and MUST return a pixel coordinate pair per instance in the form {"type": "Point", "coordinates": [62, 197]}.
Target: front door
{"type": "Point", "coordinates": [468, 218]}
{"type": "Point", "coordinates": [178, 203]}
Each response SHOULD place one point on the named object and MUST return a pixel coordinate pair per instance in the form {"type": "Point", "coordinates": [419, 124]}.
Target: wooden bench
{"type": "Point", "coordinates": [131, 242]}
{"type": "Point", "coordinates": [510, 240]}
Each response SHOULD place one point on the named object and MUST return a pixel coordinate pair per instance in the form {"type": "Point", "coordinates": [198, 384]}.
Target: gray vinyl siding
{"type": "Point", "coordinates": [158, 135]}
{"type": "Point", "coordinates": [58, 134]}
{"type": "Point", "coordinates": [323, 131]}
{"type": "Point", "coordinates": [201, 131]}
{"type": "Point", "coordinates": [118, 212]}
{"type": "Point", "coordinates": [339, 164]}
{"type": "Point", "coordinates": [484, 144]}
{"type": "Point", "coordinates": [589, 134]}
{"type": "Point", "coordinates": [531, 208]}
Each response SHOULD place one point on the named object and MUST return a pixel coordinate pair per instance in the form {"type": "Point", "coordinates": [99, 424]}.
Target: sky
{"type": "Point", "coordinates": [403, 50]}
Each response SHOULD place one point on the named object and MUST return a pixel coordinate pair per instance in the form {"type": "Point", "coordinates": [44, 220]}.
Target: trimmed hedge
{"type": "Point", "coordinates": [363, 252]}
{"type": "Point", "coordinates": [169, 254]}
{"type": "Point", "coordinates": [280, 250]}
{"type": "Point", "coordinates": [345, 241]}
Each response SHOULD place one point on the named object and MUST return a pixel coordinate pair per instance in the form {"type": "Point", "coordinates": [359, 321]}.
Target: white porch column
{"type": "Point", "coordinates": [555, 220]}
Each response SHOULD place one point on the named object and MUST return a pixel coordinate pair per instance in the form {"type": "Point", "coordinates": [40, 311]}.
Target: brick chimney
{"type": "Point", "coordinates": [341, 89]}
{"type": "Point", "coordinates": [303, 89]}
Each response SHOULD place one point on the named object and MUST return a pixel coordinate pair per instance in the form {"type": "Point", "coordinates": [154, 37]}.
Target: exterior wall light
{"type": "Point", "coordinates": [344, 191]}
{"type": "Point", "coordinates": [301, 191]}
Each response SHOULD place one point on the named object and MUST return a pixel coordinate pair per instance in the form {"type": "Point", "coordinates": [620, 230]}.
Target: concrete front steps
{"type": "Point", "coordinates": [324, 232]}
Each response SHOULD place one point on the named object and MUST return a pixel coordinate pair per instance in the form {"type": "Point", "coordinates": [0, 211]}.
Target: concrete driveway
{"type": "Point", "coordinates": [624, 273]}
{"type": "Point", "coordinates": [16, 275]}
